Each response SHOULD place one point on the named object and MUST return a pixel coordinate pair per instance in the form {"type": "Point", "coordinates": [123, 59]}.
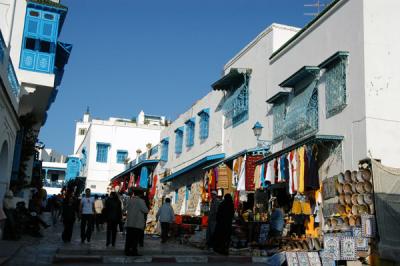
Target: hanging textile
{"type": "Point", "coordinates": [137, 181]}
{"type": "Point", "coordinates": [257, 177]}
{"type": "Point", "coordinates": [262, 175]}
{"type": "Point", "coordinates": [236, 200]}
{"type": "Point", "coordinates": [279, 169]}
{"type": "Point", "coordinates": [144, 177]}
{"type": "Point", "coordinates": [289, 159]}
{"type": "Point", "coordinates": [302, 168]}
{"type": "Point", "coordinates": [153, 187]}
{"type": "Point", "coordinates": [223, 181]}
{"type": "Point", "coordinates": [250, 166]}
{"type": "Point", "coordinates": [313, 168]}
{"type": "Point", "coordinates": [235, 172]}
{"type": "Point", "coordinates": [131, 180]}
{"type": "Point", "coordinates": [242, 176]}
{"type": "Point", "coordinates": [296, 170]}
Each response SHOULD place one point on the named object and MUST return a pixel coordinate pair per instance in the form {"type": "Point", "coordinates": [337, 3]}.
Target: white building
{"type": "Point", "coordinates": [51, 155]}
{"type": "Point", "coordinates": [32, 64]}
{"type": "Point", "coordinates": [54, 169]}
{"type": "Point", "coordinates": [105, 146]}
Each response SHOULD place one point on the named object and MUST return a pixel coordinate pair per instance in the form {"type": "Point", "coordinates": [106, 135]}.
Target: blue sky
{"type": "Point", "coordinates": [156, 55]}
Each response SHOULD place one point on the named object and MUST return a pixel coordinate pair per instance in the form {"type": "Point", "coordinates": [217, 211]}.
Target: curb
{"type": "Point", "coordinates": [64, 259]}
{"type": "Point", "coordinates": [5, 260]}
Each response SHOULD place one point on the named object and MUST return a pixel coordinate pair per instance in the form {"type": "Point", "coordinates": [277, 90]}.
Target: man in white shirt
{"type": "Point", "coordinates": [166, 216]}
{"type": "Point", "coordinates": [87, 211]}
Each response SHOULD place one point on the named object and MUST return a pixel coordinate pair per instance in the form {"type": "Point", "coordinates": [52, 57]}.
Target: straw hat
{"type": "Point", "coordinates": [359, 176]}
{"type": "Point", "coordinates": [348, 209]}
{"type": "Point", "coordinates": [360, 187]}
{"type": "Point", "coordinates": [354, 199]}
{"type": "Point", "coordinates": [352, 220]}
{"type": "Point", "coordinates": [371, 208]}
{"type": "Point", "coordinates": [368, 198]}
{"type": "Point", "coordinates": [347, 198]}
{"type": "Point", "coordinates": [366, 174]}
{"type": "Point", "coordinates": [354, 176]}
{"type": "Point", "coordinates": [340, 178]}
{"type": "Point", "coordinates": [341, 199]}
{"type": "Point", "coordinates": [360, 199]}
{"type": "Point", "coordinates": [339, 188]}
{"type": "Point", "coordinates": [353, 187]}
{"type": "Point", "coordinates": [347, 188]}
{"type": "Point", "coordinates": [368, 186]}
{"type": "Point", "coordinates": [347, 176]}
{"type": "Point", "coordinates": [354, 209]}
{"type": "Point", "coordinates": [362, 209]}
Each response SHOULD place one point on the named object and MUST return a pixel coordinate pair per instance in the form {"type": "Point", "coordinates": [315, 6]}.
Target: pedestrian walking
{"type": "Point", "coordinates": [68, 216]}
{"type": "Point", "coordinates": [98, 207]}
{"type": "Point", "coordinates": [136, 209]}
{"type": "Point", "coordinates": [166, 216]}
{"type": "Point", "coordinates": [141, 238]}
{"type": "Point", "coordinates": [112, 215]}
{"type": "Point", "coordinates": [212, 219]}
{"type": "Point", "coordinates": [87, 216]}
{"type": "Point", "coordinates": [223, 228]}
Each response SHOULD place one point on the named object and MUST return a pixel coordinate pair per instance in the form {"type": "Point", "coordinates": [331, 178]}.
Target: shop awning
{"type": "Point", "coordinates": [305, 141]}
{"type": "Point", "coordinates": [199, 163]}
{"type": "Point", "coordinates": [234, 79]}
{"type": "Point", "coordinates": [132, 168]}
{"type": "Point", "coordinates": [234, 156]}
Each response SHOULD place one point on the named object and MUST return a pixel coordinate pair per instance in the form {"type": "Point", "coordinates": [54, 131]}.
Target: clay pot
{"type": "Point", "coordinates": [360, 187]}
{"type": "Point", "coordinates": [354, 199]}
{"type": "Point", "coordinates": [354, 176]}
{"type": "Point", "coordinates": [368, 186]}
{"type": "Point", "coordinates": [347, 188]}
{"type": "Point", "coordinates": [347, 176]}
{"type": "Point", "coordinates": [360, 199]}
{"type": "Point", "coordinates": [366, 174]}
{"type": "Point", "coordinates": [341, 199]}
{"type": "Point", "coordinates": [368, 199]}
{"type": "Point", "coordinates": [340, 178]}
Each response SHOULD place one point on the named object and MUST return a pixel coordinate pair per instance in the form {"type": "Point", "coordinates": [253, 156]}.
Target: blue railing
{"type": "Point", "coordinates": [12, 78]}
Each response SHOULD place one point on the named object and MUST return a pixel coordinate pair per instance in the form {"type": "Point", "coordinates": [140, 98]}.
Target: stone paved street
{"type": "Point", "coordinates": [50, 248]}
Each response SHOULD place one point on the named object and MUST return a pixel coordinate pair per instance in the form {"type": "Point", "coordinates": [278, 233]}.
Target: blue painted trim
{"type": "Point", "coordinates": [303, 73]}
{"type": "Point", "coordinates": [333, 58]}
{"type": "Point", "coordinates": [142, 163]}
{"type": "Point", "coordinates": [165, 140]}
{"type": "Point", "coordinates": [204, 111]}
{"type": "Point", "coordinates": [193, 166]}
{"type": "Point", "coordinates": [54, 168]}
{"type": "Point", "coordinates": [191, 120]}
{"type": "Point", "coordinates": [179, 129]}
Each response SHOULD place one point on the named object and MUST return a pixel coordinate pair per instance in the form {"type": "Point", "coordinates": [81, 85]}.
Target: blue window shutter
{"type": "Point", "coordinates": [190, 132]}
{"type": "Point", "coordinates": [102, 152]}
{"type": "Point", "coordinates": [178, 140]}
{"type": "Point", "coordinates": [121, 156]}
{"type": "Point", "coordinates": [164, 149]}
{"type": "Point", "coordinates": [204, 125]}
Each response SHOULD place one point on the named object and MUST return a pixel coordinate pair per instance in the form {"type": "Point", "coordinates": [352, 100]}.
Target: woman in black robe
{"type": "Point", "coordinates": [223, 229]}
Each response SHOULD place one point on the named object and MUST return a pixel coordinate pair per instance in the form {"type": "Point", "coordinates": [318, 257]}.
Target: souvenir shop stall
{"type": "Point", "coordinates": [235, 175]}
{"type": "Point", "coordinates": [327, 219]}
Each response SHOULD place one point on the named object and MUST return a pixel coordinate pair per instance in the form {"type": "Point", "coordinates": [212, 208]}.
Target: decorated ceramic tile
{"type": "Point", "coordinates": [303, 259]}
{"type": "Point", "coordinates": [332, 247]}
{"type": "Point", "coordinates": [368, 225]}
{"type": "Point", "coordinates": [313, 258]}
{"type": "Point", "coordinates": [291, 258]}
{"type": "Point", "coordinates": [348, 248]}
{"type": "Point", "coordinates": [326, 259]}
{"type": "Point", "coordinates": [361, 242]}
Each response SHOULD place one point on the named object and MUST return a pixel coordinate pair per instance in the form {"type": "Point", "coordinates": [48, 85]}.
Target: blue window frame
{"type": "Point", "coordinates": [176, 195]}
{"type": "Point", "coordinates": [188, 190]}
{"type": "Point", "coordinates": [39, 41]}
{"type": "Point", "coordinates": [178, 140]}
{"type": "Point", "coordinates": [190, 132]}
{"type": "Point", "coordinates": [121, 156]}
{"type": "Point", "coordinates": [204, 123]}
{"type": "Point", "coordinates": [164, 149]}
{"type": "Point", "coordinates": [102, 152]}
